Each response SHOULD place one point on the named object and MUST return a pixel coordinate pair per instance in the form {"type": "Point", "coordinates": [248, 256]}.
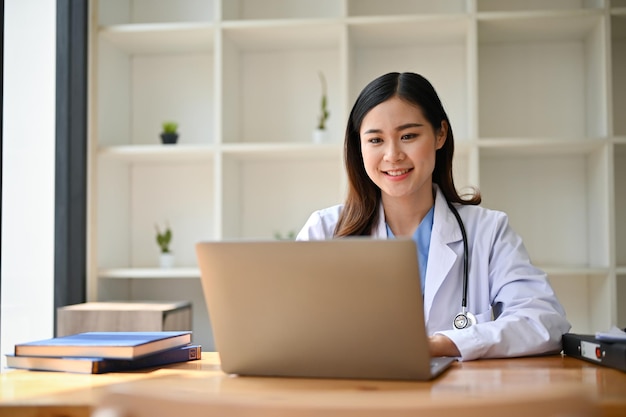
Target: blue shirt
{"type": "Point", "coordinates": [422, 240]}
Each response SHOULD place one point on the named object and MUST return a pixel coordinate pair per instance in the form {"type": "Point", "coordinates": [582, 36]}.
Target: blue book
{"type": "Point", "coordinates": [102, 365]}
{"type": "Point", "coordinates": [109, 345]}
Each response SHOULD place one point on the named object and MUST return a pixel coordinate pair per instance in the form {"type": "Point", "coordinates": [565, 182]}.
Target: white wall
{"type": "Point", "coordinates": [27, 258]}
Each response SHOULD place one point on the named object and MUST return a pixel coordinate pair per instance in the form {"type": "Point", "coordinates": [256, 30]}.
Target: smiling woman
{"type": "Point", "coordinates": [398, 155]}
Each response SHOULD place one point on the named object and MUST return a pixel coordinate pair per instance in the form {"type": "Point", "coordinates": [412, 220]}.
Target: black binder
{"type": "Point", "coordinates": [590, 349]}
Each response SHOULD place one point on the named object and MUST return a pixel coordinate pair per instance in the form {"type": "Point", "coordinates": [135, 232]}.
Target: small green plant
{"type": "Point", "coordinates": [164, 238]}
{"type": "Point", "coordinates": [170, 127]}
{"type": "Point", "coordinates": [324, 113]}
{"type": "Point", "coordinates": [291, 235]}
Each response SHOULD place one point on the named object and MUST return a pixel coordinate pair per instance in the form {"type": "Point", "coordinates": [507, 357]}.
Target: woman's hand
{"type": "Point", "coordinates": [441, 345]}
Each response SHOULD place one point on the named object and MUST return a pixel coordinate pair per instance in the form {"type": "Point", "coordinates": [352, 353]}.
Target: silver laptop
{"type": "Point", "coordinates": [344, 308]}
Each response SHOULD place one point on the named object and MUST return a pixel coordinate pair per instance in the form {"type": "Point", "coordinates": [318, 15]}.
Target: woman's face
{"type": "Point", "coordinates": [399, 146]}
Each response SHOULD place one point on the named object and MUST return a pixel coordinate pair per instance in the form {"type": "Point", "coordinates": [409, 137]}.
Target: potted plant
{"type": "Point", "coordinates": [320, 134]}
{"type": "Point", "coordinates": [170, 133]}
{"type": "Point", "coordinates": [163, 239]}
{"type": "Point", "coordinates": [290, 235]}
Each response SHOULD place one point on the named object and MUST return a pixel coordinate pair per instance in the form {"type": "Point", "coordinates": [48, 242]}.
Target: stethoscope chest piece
{"type": "Point", "coordinates": [463, 320]}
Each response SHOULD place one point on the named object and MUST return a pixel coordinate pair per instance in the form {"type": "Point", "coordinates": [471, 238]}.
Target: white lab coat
{"type": "Point", "coordinates": [529, 319]}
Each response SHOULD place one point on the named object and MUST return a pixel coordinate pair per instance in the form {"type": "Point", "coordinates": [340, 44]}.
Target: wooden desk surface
{"type": "Point", "coordinates": [27, 393]}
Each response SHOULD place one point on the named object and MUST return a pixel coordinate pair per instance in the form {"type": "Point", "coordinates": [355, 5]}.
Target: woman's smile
{"type": "Point", "coordinates": [398, 174]}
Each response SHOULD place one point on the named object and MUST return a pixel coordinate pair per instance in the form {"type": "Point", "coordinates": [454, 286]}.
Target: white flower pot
{"type": "Point", "coordinates": [320, 136]}
{"type": "Point", "coordinates": [166, 260]}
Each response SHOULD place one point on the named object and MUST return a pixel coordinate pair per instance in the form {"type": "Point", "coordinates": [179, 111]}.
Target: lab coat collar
{"type": "Point", "coordinates": [444, 223]}
{"type": "Point", "coordinates": [381, 228]}
{"type": "Point", "coordinates": [441, 257]}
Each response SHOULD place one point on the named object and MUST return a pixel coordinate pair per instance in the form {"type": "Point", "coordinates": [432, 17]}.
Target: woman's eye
{"type": "Point", "coordinates": [408, 136]}
{"type": "Point", "coordinates": [375, 140]}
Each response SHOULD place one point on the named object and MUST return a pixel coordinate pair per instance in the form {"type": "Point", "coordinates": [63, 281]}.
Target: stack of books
{"type": "Point", "coordinates": [101, 352]}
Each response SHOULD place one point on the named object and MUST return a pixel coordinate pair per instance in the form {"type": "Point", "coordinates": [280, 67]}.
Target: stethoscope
{"type": "Point", "coordinates": [464, 319]}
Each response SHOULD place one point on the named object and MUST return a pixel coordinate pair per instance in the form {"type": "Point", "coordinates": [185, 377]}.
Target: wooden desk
{"type": "Point", "coordinates": [24, 393]}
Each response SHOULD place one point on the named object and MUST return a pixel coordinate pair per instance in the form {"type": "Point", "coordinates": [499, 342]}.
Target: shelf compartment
{"type": "Point", "coordinates": [434, 48]}
{"type": "Point", "coordinates": [538, 193]}
{"type": "Point", "coordinates": [618, 71]}
{"type": "Point", "coordinates": [543, 75]}
{"type": "Point", "coordinates": [265, 198]}
{"type": "Point", "coordinates": [280, 81]}
{"type": "Point", "coordinates": [584, 299]}
{"type": "Point", "coordinates": [536, 5]}
{"type": "Point", "coordinates": [404, 7]}
{"type": "Point", "coordinates": [154, 11]}
{"type": "Point", "coordinates": [136, 93]}
{"type": "Point", "coordinates": [280, 9]}
{"type": "Point", "coordinates": [132, 198]}
{"type": "Point", "coordinates": [619, 167]}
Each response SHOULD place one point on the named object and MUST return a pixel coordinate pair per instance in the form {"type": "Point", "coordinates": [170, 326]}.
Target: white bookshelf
{"type": "Point", "coordinates": [536, 93]}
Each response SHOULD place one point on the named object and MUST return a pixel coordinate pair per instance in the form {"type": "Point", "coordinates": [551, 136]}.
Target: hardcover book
{"type": "Point", "coordinates": [110, 345]}
{"type": "Point", "coordinates": [102, 365]}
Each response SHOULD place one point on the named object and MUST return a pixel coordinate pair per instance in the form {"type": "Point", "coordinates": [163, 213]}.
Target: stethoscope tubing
{"type": "Point", "coordinates": [465, 255]}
